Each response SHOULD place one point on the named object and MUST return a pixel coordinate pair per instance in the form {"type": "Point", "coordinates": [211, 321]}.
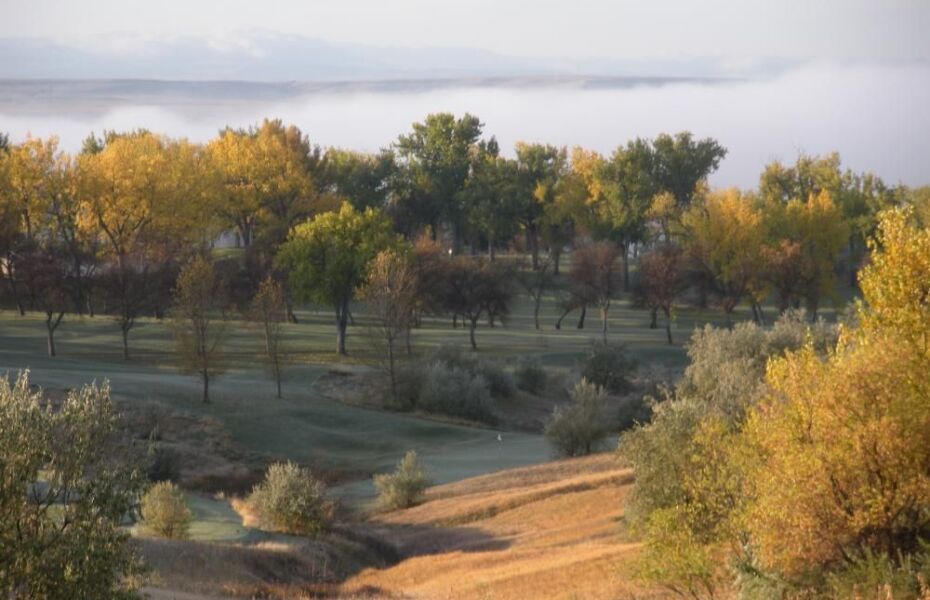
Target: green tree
{"type": "Point", "coordinates": [681, 162]}
{"type": "Point", "coordinates": [539, 169]}
{"type": "Point", "coordinates": [438, 153]}
{"type": "Point", "coordinates": [328, 258]}
{"type": "Point", "coordinates": [492, 200]}
{"type": "Point", "coordinates": [66, 489]}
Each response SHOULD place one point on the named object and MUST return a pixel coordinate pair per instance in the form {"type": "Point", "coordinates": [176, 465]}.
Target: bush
{"type": "Point", "coordinates": [165, 512]}
{"type": "Point", "coordinates": [164, 465]}
{"type": "Point", "coordinates": [500, 382]}
{"type": "Point", "coordinates": [404, 487]}
{"type": "Point", "coordinates": [290, 499]}
{"type": "Point", "coordinates": [408, 379]}
{"type": "Point", "coordinates": [579, 428]}
{"type": "Point", "coordinates": [609, 367]}
{"type": "Point", "coordinates": [456, 392]}
{"type": "Point", "coordinates": [530, 375]}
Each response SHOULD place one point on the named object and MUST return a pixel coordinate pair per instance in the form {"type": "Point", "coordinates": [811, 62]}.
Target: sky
{"type": "Point", "coordinates": [733, 30]}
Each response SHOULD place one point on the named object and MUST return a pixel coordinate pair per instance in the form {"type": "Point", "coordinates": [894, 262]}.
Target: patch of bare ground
{"type": "Point", "coordinates": [548, 531]}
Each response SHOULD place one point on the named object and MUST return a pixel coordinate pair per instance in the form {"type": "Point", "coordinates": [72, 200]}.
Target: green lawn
{"type": "Point", "coordinates": [308, 426]}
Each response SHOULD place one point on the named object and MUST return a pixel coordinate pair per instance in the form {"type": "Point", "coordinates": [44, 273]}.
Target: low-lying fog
{"type": "Point", "coordinates": [877, 117]}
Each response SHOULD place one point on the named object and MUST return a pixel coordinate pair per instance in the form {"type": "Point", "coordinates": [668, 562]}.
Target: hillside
{"type": "Point", "coordinates": [551, 530]}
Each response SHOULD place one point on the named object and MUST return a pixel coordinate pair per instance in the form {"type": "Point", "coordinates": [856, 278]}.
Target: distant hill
{"type": "Point", "coordinates": [270, 57]}
{"type": "Point", "coordinates": [95, 96]}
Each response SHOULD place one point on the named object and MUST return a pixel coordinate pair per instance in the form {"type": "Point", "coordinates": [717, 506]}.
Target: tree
{"type": "Point", "coordinates": [629, 181]}
{"type": "Point", "coordinates": [199, 321]}
{"type": "Point", "coordinates": [723, 239]}
{"type": "Point", "coordinates": [539, 168]}
{"type": "Point", "coordinates": [662, 281]}
{"type": "Point", "coordinates": [328, 258]}
{"type": "Point", "coordinates": [269, 311]}
{"type": "Point", "coordinates": [363, 180]}
{"type": "Point", "coordinates": [537, 283]}
{"type": "Point", "coordinates": [474, 288]}
{"type": "Point", "coordinates": [141, 195]}
{"type": "Point", "coordinates": [594, 273]}
{"type": "Point", "coordinates": [579, 428]}
{"type": "Point", "coordinates": [48, 282]}
{"type": "Point", "coordinates": [818, 228]}
{"type": "Point", "coordinates": [492, 200]}
{"type": "Point", "coordinates": [390, 293]}
{"type": "Point", "coordinates": [681, 162]}
{"type": "Point", "coordinates": [66, 488]}
{"type": "Point", "coordinates": [265, 176]}
{"type": "Point", "coordinates": [438, 153]}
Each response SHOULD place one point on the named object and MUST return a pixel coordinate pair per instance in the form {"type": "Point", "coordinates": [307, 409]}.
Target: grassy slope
{"type": "Point", "coordinates": [544, 531]}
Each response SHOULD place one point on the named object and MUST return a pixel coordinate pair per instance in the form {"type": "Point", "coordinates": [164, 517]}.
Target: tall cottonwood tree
{"type": "Point", "coordinates": [723, 239]}
{"type": "Point", "coordinates": [438, 155]}
{"type": "Point", "coordinates": [328, 258]}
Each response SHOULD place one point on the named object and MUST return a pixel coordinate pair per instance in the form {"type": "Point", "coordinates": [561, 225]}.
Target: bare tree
{"type": "Point", "coordinates": [537, 283]}
{"type": "Point", "coordinates": [391, 292]}
{"type": "Point", "coordinates": [594, 276]}
{"type": "Point", "coordinates": [661, 281]}
{"type": "Point", "coordinates": [269, 311]}
{"type": "Point", "coordinates": [199, 322]}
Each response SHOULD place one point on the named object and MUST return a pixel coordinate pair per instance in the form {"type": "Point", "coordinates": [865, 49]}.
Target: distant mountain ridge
{"type": "Point", "coordinates": [93, 96]}
{"type": "Point", "coordinates": [276, 58]}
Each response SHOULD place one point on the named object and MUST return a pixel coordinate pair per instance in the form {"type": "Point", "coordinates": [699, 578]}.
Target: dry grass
{"type": "Point", "coordinates": [550, 531]}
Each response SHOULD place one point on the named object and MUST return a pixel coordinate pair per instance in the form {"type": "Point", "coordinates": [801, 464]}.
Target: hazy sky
{"type": "Point", "coordinates": [617, 29]}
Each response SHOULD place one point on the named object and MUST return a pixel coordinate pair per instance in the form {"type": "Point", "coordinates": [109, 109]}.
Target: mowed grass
{"type": "Point", "coordinates": [308, 425]}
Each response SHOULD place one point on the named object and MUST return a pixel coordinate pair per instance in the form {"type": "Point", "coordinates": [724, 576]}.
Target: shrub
{"type": "Point", "coordinates": [404, 487]}
{"type": "Point", "coordinates": [609, 367]}
{"type": "Point", "coordinates": [407, 381]}
{"type": "Point", "coordinates": [530, 375]}
{"type": "Point", "coordinates": [164, 465]}
{"type": "Point", "coordinates": [165, 512]}
{"type": "Point", "coordinates": [872, 575]}
{"type": "Point", "coordinates": [292, 500]}
{"type": "Point", "coordinates": [455, 391]}
{"type": "Point", "coordinates": [500, 382]}
{"type": "Point", "coordinates": [579, 428]}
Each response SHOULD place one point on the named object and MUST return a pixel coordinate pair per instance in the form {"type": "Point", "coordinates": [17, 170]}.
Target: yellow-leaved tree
{"type": "Point", "coordinates": [840, 459]}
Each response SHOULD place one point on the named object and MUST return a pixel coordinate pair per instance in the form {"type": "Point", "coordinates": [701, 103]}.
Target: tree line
{"type": "Point", "coordinates": [108, 230]}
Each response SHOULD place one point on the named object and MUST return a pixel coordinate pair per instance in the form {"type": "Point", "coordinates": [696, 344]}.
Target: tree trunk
{"type": "Point", "coordinates": [206, 386]}
{"type": "Point", "coordinates": [342, 323]}
{"type": "Point", "coordinates": [14, 290]}
{"type": "Point", "coordinates": [471, 334]}
{"type": "Point", "coordinates": [653, 319]}
{"type": "Point", "coordinates": [391, 373]}
{"type": "Point", "coordinates": [51, 325]}
{"type": "Point", "coordinates": [536, 311]}
{"type": "Point", "coordinates": [532, 240]}
{"type": "Point", "coordinates": [556, 253]}
{"type": "Point", "coordinates": [125, 331]}
{"type": "Point", "coordinates": [625, 257]}
{"type": "Point", "coordinates": [604, 310]}
{"type": "Point", "coordinates": [584, 312]}
{"type": "Point", "coordinates": [407, 342]}
{"type": "Point", "coordinates": [668, 325]}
